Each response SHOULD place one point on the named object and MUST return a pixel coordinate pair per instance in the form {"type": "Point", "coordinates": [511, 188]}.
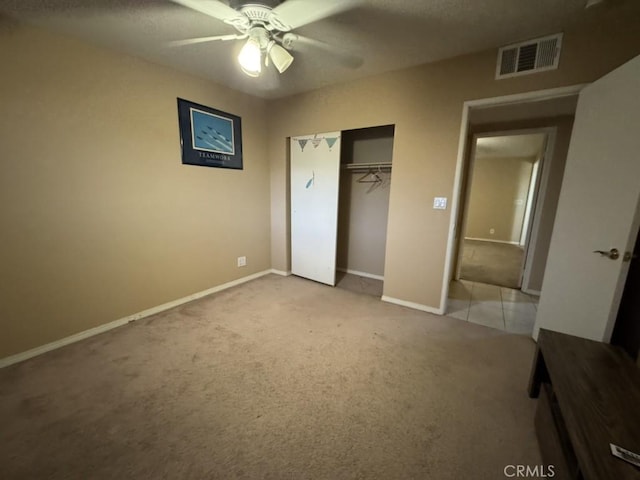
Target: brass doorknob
{"type": "Point", "coordinates": [613, 254]}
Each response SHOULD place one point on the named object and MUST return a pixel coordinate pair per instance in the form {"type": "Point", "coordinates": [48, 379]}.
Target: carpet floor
{"type": "Point", "coordinates": [358, 284]}
{"type": "Point", "coordinates": [279, 378]}
{"type": "Point", "coordinates": [492, 263]}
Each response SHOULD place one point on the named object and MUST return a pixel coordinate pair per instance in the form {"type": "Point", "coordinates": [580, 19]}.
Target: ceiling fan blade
{"type": "Point", "coordinates": [192, 41]}
{"type": "Point", "coordinates": [293, 41]}
{"type": "Point", "coordinates": [296, 13]}
{"type": "Point", "coordinates": [213, 8]}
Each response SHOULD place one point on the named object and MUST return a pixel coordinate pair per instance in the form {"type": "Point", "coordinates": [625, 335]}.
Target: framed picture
{"type": "Point", "coordinates": [209, 137]}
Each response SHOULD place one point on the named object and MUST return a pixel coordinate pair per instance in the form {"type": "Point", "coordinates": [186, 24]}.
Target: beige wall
{"type": "Point", "coordinates": [499, 190]}
{"type": "Point", "coordinates": [425, 104]}
{"type": "Point", "coordinates": [363, 211]}
{"type": "Point", "coordinates": [99, 218]}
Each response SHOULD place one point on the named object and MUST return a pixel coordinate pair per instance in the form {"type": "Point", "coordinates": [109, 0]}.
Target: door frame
{"type": "Point", "coordinates": [537, 202]}
{"type": "Point", "coordinates": [540, 195]}
{"type": "Point", "coordinates": [526, 97]}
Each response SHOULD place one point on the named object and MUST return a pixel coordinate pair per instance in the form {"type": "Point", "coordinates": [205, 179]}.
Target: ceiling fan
{"type": "Point", "coordinates": [267, 26]}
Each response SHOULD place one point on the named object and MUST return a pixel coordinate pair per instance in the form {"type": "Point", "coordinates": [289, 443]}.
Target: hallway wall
{"type": "Point", "coordinates": [498, 198]}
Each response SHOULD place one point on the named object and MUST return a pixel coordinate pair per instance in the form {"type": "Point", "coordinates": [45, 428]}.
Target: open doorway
{"type": "Point", "coordinates": [548, 113]}
{"type": "Point", "coordinates": [626, 332]}
{"type": "Point", "coordinates": [503, 185]}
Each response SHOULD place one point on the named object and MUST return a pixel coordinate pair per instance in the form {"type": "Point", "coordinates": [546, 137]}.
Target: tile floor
{"type": "Point", "coordinates": [497, 307]}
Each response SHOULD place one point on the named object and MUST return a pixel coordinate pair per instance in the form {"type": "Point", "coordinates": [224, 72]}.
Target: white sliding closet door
{"type": "Point", "coordinates": [315, 175]}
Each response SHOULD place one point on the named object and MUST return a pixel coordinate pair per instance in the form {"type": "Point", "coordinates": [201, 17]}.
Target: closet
{"type": "Point", "coordinates": [363, 205]}
{"type": "Point", "coordinates": [339, 202]}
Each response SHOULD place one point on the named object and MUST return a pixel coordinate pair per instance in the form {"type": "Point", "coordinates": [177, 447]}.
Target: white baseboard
{"type": "Point", "coordinates": [19, 357]}
{"type": "Point", "coordinates": [34, 352]}
{"type": "Point", "coordinates": [415, 306]}
{"type": "Point", "coordinates": [281, 272]}
{"type": "Point", "coordinates": [492, 240]}
{"type": "Point", "coordinates": [361, 274]}
{"type": "Point", "coordinates": [532, 292]}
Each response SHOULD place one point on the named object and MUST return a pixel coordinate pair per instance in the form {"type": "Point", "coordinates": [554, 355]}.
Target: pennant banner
{"type": "Point", "coordinates": [316, 141]}
{"type": "Point", "coordinates": [331, 141]}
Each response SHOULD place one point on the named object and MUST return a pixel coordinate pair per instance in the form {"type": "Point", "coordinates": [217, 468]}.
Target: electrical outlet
{"type": "Point", "coordinates": [242, 261]}
{"type": "Point", "coordinates": [492, 231]}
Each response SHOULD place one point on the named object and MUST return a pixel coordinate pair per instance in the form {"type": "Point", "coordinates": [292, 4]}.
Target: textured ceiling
{"type": "Point", "coordinates": [387, 34]}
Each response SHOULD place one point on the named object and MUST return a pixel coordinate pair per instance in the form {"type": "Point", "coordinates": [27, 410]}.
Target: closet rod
{"type": "Point", "coordinates": [359, 166]}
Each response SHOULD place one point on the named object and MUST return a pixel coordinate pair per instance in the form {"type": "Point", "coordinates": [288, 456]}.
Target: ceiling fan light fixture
{"type": "Point", "coordinates": [280, 57]}
{"type": "Point", "coordinates": [250, 58]}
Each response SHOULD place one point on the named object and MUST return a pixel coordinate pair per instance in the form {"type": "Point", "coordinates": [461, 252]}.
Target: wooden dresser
{"type": "Point", "coordinates": [589, 397]}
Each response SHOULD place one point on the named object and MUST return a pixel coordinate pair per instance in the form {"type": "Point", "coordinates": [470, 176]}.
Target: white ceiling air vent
{"type": "Point", "coordinates": [532, 56]}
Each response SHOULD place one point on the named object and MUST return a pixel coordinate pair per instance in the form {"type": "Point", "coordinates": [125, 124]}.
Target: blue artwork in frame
{"type": "Point", "coordinates": [209, 137]}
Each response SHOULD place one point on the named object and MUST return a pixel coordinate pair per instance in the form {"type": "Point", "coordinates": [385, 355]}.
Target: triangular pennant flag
{"type": "Point", "coordinates": [315, 142]}
{"type": "Point", "coordinates": [302, 142]}
{"type": "Point", "coordinates": [331, 141]}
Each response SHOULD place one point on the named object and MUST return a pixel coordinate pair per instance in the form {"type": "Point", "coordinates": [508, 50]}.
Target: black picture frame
{"type": "Point", "coordinates": [209, 137]}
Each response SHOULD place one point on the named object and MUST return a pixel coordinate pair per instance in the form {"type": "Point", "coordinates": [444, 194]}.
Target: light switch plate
{"type": "Point", "coordinates": [440, 203]}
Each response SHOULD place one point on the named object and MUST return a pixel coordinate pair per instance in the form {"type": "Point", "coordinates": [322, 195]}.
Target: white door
{"type": "Point", "coordinates": [315, 177]}
{"type": "Point", "coordinates": [597, 210]}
